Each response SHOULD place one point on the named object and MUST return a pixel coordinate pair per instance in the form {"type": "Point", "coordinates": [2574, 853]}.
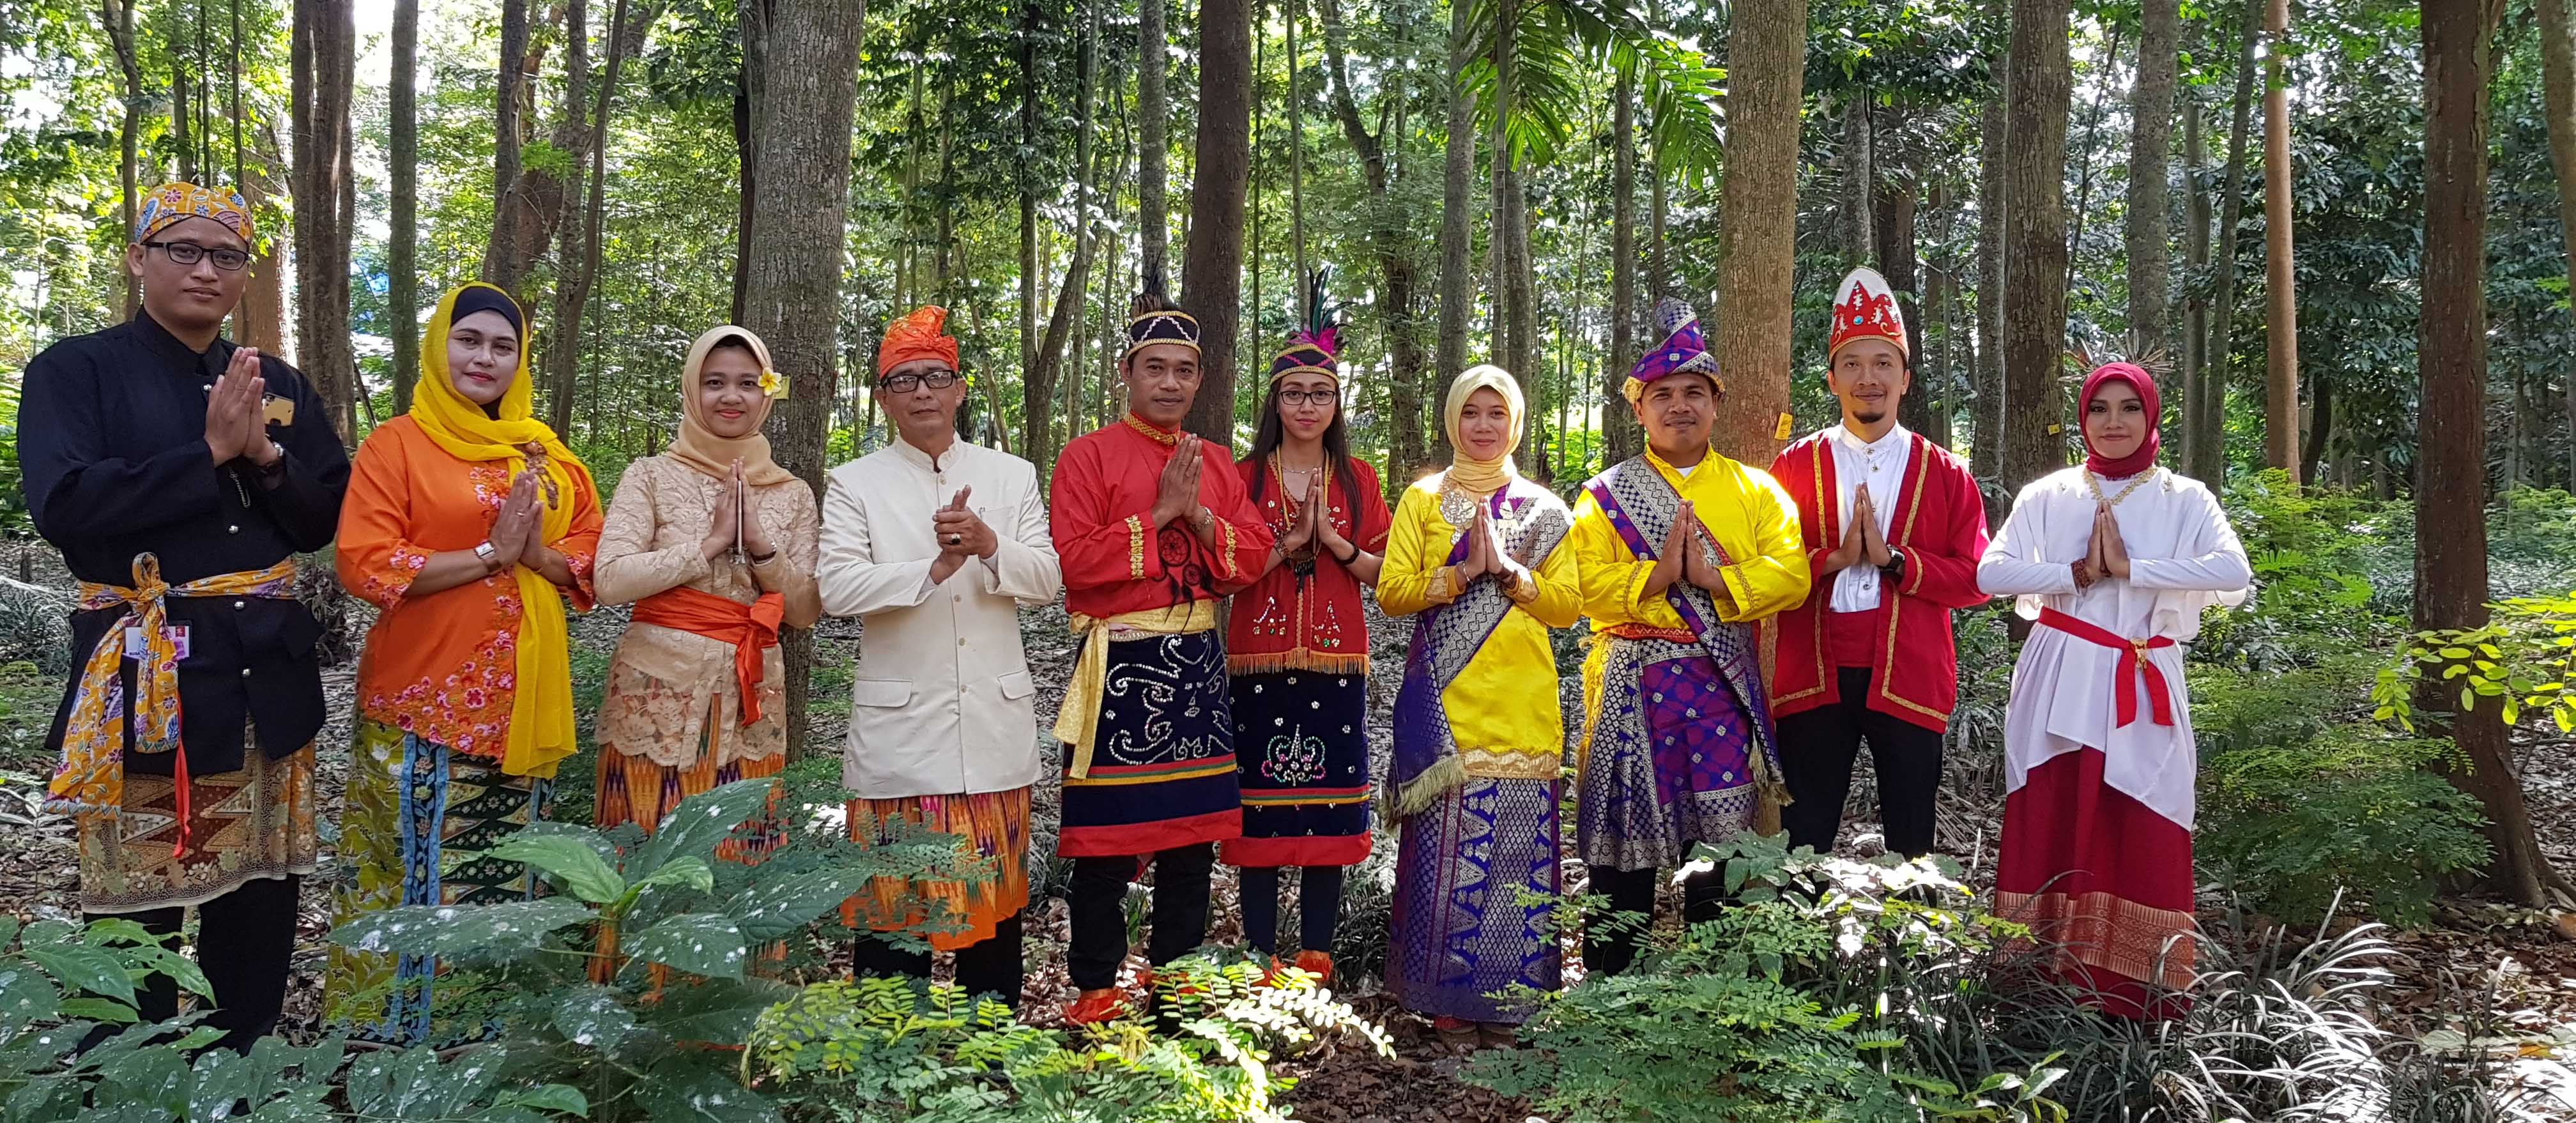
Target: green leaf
{"type": "Point", "coordinates": [774, 909]}
{"type": "Point", "coordinates": [686, 1090]}
{"type": "Point", "coordinates": [567, 858]}
{"type": "Point", "coordinates": [26, 997]}
{"type": "Point", "coordinates": [594, 1017]}
{"type": "Point", "coordinates": [99, 1010]}
{"type": "Point", "coordinates": [82, 967]}
{"type": "Point", "coordinates": [514, 926]}
{"type": "Point", "coordinates": [562, 1098]}
{"type": "Point", "coordinates": [700, 822]}
{"type": "Point", "coordinates": [179, 968]}
{"type": "Point", "coordinates": [698, 943]}
{"type": "Point", "coordinates": [716, 1011]}
{"type": "Point", "coordinates": [690, 872]}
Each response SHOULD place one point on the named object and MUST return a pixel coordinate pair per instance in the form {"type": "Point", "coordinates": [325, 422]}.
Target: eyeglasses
{"type": "Point", "coordinates": [189, 253]}
{"type": "Point", "coordinates": [1309, 397]}
{"type": "Point", "coordinates": [907, 383]}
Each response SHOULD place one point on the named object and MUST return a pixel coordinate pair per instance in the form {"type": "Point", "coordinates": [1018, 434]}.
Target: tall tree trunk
{"type": "Point", "coordinates": [2450, 512]}
{"type": "Point", "coordinates": [1621, 436]}
{"type": "Point", "coordinates": [1039, 383]}
{"type": "Point", "coordinates": [2151, 97]}
{"type": "Point", "coordinates": [560, 360]}
{"type": "Point", "coordinates": [2195, 305]}
{"type": "Point", "coordinates": [579, 272]}
{"type": "Point", "coordinates": [810, 49]}
{"type": "Point", "coordinates": [1860, 182]}
{"type": "Point", "coordinates": [503, 257]}
{"type": "Point", "coordinates": [2280, 271]}
{"type": "Point", "coordinates": [2036, 251]}
{"type": "Point", "coordinates": [2212, 465]}
{"type": "Point", "coordinates": [2084, 158]}
{"type": "Point", "coordinates": [2321, 426]}
{"type": "Point", "coordinates": [261, 320]}
{"type": "Point", "coordinates": [182, 86]}
{"type": "Point", "coordinates": [746, 149]}
{"type": "Point", "coordinates": [402, 251]}
{"type": "Point", "coordinates": [1033, 397]}
{"type": "Point", "coordinates": [117, 17]}
{"type": "Point", "coordinates": [2558, 96]}
{"type": "Point", "coordinates": [1296, 108]}
{"type": "Point", "coordinates": [1153, 108]}
{"type": "Point", "coordinates": [1212, 259]}
{"type": "Point", "coordinates": [1986, 431]}
{"type": "Point", "coordinates": [1893, 240]}
{"type": "Point", "coordinates": [1932, 369]}
{"type": "Point", "coordinates": [325, 57]}
{"type": "Point", "coordinates": [1766, 63]}
{"type": "Point", "coordinates": [1389, 242]}
{"type": "Point", "coordinates": [1457, 221]}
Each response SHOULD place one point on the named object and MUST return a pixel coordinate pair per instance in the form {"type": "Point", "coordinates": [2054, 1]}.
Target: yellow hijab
{"type": "Point", "coordinates": [1483, 477]}
{"type": "Point", "coordinates": [541, 709]}
{"type": "Point", "coordinates": [698, 446]}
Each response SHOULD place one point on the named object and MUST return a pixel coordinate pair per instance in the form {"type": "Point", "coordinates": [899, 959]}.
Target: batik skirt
{"type": "Point", "coordinates": [2103, 882]}
{"type": "Point", "coordinates": [1669, 757]}
{"type": "Point", "coordinates": [1476, 882]}
{"type": "Point", "coordinates": [253, 822]}
{"type": "Point", "coordinates": [633, 789]}
{"type": "Point", "coordinates": [1162, 761]}
{"type": "Point", "coordinates": [994, 827]}
{"type": "Point", "coordinates": [1302, 756]}
{"type": "Point", "coordinates": [419, 817]}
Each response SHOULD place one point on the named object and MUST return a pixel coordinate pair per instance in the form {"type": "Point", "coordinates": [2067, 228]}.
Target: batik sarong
{"type": "Point", "coordinates": [994, 826]}
{"type": "Point", "coordinates": [419, 818]}
{"type": "Point", "coordinates": [1162, 757]}
{"type": "Point", "coordinates": [253, 822]}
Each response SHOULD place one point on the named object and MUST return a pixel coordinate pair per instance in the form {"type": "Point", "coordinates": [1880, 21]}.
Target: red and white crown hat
{"type": "Point", "coordinates": [1866, 309]}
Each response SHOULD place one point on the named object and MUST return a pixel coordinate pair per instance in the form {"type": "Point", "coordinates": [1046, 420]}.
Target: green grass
{"type": "Point", "coordinates": [28, 697]}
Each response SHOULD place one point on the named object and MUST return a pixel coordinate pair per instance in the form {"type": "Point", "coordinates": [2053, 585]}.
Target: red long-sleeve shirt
{"type": "Point", "coordinates": [1115, 559]}
{"type": "Point", "coordinates": [1940, 527]}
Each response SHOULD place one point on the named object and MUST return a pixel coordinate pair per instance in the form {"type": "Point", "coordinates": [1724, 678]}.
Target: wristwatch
{"type": "Point", "coordinates": [484, 552]}
{"type": "Point", "coordinates": [1894, 570]}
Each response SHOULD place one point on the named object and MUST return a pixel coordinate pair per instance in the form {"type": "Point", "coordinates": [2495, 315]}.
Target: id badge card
{"type": "Point", "coordinates": [177, 634]}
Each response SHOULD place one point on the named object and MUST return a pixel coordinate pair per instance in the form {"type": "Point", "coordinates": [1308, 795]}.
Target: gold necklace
{"type": "Point", "coordinates": [2095, 482]}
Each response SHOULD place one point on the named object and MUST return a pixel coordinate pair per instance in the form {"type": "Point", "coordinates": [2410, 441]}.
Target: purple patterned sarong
{"type": "Point", "coordinates": [1460, 936]}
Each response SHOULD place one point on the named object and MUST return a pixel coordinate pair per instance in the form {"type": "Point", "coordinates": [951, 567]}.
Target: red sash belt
{"type": "Point", "coordinates": [2133, 664]}
{"type": "Point", "coordinates": [750, 628]}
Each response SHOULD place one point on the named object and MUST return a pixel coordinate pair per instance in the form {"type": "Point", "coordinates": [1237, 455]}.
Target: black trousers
{"type": "Point", "coordinates": [245, 939]}
{"type": "Point", "coordinates": [1319, 908]}
{"type": "Point", "coordinates": [1099, 900]}
{"type": "Point", "coordinates": [993, 966]}
{"type": "Point", "coordinates": [1610, 949]}
{"type": "Point", "coordinates": [1817, 749]}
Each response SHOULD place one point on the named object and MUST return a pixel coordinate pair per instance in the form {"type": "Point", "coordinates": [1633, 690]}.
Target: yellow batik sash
{"type": "Point", "coordinates": [1077, 722]}
{"type": "Point", "coordinates": [90, 779]}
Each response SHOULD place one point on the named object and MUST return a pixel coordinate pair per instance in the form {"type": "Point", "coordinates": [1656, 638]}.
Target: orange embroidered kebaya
{"type": "Point", "coordinates": [443, 666]}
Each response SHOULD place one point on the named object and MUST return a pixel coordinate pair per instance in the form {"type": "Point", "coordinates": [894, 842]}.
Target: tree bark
{"type": "Point", "coordinates": [1621, 436]}
{"type": "Point", "coordinates": [261, 320]}
{"type": "Point", "coordinates": [1033, 397]}
{"type": "Point", "coordinates": [1894, 242]}
{"type": "Point", "coordinates": [117, 17]}
{"type": "Point", "coordinates": [2280, 284]}
{"type": "Point", "coordinates": [793, 296]}
{"type": "Point", "coordinates": [1389, 243]}
{"type": "Point", "coordinates": [1153, 107]}
{"type": "Point", "coordinates": [559, 360]}
{"type": "Point", "coordinates": [1986, 431]}
{"type": "Point", "coordinates": [1766, 60]}
{"type": "Point", "coordinates": [579, 271]}
{"type": "Point", "coordinates": [503, 257]}
{"type": "Point", "coordinates": [1212, 259]}
{"type": "Point", "coordinates": [402, 252]}
{"type": "Point", "coordinates": [2195, 305]}
{"type": "Point", "coordinates": [2151, 97]}
{"type": "Point", "coordinates": [2211, 467]}
{"type": "Point", "coordinates": [2036, 250]}
{"type": "Point", "coordinates": [325, 57]}
{"type": "Point", "coordinates": [2558, 97]}
{"type": "Point", "coordinates": [1860, 182]}
{"type": "Point", "coordinates": [2450, 486]}
{"type": "Point", "coordinates": [1457, 220]}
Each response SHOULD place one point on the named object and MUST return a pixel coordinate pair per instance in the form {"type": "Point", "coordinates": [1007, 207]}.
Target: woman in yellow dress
{"type": "Point", "coordinates": [1478, 732]}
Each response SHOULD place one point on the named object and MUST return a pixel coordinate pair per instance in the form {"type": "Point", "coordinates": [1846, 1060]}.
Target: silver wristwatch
{"type": "Point", "coordinates": [484, 552]}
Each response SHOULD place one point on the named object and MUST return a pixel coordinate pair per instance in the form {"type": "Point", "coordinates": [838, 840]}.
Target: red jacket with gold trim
{"type": "Point", "coordinates": [1940, 527]}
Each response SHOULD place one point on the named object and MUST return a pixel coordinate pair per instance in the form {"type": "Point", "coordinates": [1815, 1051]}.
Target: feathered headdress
{"type": "Point", "coordinates": [1152, 318]}
{"type": "Point", "coordinates": [1316, 348]}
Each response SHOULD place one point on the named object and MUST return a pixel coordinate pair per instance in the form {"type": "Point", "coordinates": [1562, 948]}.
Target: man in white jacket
{"type": "Point", "coordinates": [935, 543]}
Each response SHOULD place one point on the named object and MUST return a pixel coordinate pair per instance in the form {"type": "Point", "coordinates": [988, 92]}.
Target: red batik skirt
{"type": "Point", "coordinates": [2103, 882]}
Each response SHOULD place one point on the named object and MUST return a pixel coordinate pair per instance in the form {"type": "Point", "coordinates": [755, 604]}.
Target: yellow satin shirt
{"type": "Point", "coordinates": [1750, 515]}
{"type": "Point", "coordinates": [1505, 702]}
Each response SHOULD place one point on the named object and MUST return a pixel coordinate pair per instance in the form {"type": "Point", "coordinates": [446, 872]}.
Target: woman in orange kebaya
{"type": "Point", "coordinates": [468, 524]}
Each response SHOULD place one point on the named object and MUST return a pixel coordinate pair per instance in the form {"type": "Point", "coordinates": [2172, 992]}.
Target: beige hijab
{"type": "Point", "coordinates": [698, 446]}
{"type": "Point", "coordinates": [1483, 477]}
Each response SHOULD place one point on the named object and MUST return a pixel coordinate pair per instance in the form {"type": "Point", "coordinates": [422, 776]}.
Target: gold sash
{"type": "Point", "coordinates": [1076, 723]}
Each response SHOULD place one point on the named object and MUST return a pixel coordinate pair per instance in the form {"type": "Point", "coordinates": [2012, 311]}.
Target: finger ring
{"type": "Point", "coordinates": [956, 539]}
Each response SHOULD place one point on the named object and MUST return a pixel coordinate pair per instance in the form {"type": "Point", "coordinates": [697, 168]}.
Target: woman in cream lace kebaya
{"type": "Point", "coordinates": [697, 691]}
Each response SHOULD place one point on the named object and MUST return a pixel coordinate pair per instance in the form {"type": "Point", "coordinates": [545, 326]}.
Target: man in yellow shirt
{"type": "Point", "coordinates": [1682, 552]}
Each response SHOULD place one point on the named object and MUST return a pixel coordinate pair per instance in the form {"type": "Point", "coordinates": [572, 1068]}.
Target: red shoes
{"type": "Point", "coordinates": [1095, 1006]}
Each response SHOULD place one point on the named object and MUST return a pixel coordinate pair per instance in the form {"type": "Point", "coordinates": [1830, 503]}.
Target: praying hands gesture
{"type": "Point", "coordinates": [515, 530]}
{"type": "Point", "coordinates": [961, 534]}
{"type": "Point", "coordinates": [1486, 555]}
{"type": "Point", "coordinates": [736, 507]}
{"type": "Point", "coordinates": [1177, 496]}
{"type": "Point", "coordinates": [2105, 555]}
{"type": "Point", "coordinates": [236, 424]}
{"type": "Point", "coordinates": [1862, 540]}
{"type": "Point", "coordinates": [1303, 531]}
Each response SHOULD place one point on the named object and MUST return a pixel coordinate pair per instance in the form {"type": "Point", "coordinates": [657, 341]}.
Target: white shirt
{"type": "Point", "coordinates": [2183, 558]}
{"type": "Point", "coordinates": [942, 703]}
{"type": "Point", "coordinates": [1881, 465]}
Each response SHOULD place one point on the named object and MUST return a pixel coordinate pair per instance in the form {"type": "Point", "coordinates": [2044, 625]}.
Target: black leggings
{"type": "Point", "coordinates": [1610, 952]}
{"type": "Point", "coordinates": [993, 966]}
{"type": "Point", "coordinates": [1099, 905]}
{"type": "Point", "coordinates": [245, 939]}
{"type": "Point", "coordinates": [1319, 907]}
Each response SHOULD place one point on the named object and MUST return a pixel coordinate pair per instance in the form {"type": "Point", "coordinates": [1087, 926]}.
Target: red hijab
{"type": "Point", "coordinates": [2145, 384]}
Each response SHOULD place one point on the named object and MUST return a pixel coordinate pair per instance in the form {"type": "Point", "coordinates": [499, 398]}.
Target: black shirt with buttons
{"type": "Point", "coordinates": [111, 441]}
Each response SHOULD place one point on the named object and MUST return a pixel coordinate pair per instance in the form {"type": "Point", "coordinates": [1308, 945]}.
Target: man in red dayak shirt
{"type": "Point", "coordinates": [1894, 526]}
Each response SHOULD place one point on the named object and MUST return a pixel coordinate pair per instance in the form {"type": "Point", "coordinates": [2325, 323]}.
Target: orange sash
{"type": "Point", "coordinates": [750, 628]}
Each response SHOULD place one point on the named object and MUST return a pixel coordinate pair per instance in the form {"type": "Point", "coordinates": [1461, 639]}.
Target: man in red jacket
{"type": "Point", "coordinates": [1894, 526]}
